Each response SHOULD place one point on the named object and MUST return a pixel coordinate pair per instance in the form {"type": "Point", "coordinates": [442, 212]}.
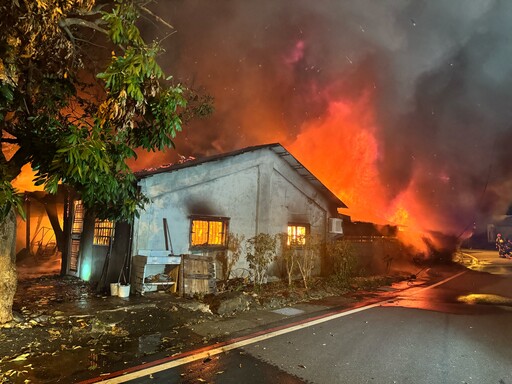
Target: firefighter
{"type": "Point", "coordinates": [508, 249]}
{"type": "Point", "coordinates": [500, 245]}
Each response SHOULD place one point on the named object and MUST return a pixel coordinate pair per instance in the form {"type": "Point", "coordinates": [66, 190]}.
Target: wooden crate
{"type": "Point", "coordinates": [197, 275]}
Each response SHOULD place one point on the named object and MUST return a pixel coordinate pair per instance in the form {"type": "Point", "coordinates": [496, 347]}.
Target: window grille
{"type": "Point", "coordinates": [208, 232]}
{"type": "Point", "coordinates": [74, 253]}
{"type": "Point", "coordinates": [297, 234]}
{"type": "Point", "coordinates": [78, 218]}
{"type": "Point", "coordinates": [103, 232]}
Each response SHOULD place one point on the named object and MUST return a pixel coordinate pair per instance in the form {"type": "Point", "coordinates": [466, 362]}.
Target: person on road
{"type": "Point", "coordinates": [508, 249]}
{"type": "Point", "coordinates": [500, 245]}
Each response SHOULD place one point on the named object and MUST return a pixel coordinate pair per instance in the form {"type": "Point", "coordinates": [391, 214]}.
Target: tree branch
{"type": "Point", "coordinates": [157, 18]}
{"type": "Point", "coordinates": [65, 23]}
{"type": "Point", "coordinates": [94, 11]}
{"type": "Point", "coordinates": [68, 32]}
{"type": "Point", "coordinates": [16, 162]}
{"type": "Point", "coordinates": [9, 140]}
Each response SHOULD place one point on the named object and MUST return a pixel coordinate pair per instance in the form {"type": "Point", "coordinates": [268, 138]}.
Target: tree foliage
{"type": "Point", "coordinates": [80, 90]}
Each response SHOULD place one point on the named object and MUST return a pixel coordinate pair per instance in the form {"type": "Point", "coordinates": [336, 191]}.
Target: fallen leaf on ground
{"type": "Point", "coordinates": [21, 357]}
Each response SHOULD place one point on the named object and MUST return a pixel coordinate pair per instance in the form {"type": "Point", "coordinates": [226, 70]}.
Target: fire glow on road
{"type": "Point", "coordinates": [208, 352]}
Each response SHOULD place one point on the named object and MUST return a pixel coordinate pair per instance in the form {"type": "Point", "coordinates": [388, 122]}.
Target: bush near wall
{"type": "Point", "coordinates": [375, 255]}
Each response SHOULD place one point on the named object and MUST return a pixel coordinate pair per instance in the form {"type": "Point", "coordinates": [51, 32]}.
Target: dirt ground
{"type": "Point", "coordinates": [64, 331]}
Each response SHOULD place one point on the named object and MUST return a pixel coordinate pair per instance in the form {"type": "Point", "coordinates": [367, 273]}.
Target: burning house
{"type": "Point", "coordinates": [194, 206]}
{"type": "Point", "coordinates": [259, 189]}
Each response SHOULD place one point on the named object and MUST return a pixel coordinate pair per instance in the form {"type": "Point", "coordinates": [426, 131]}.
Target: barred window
{"type": "Point", "coordinates": [103, 232]}
{"type": "Point", "coordinates": [297, 234]}
{"type": "Point", "coordinates": [78, 219]}
{"type": "Point", "coordinates": [208, 231]}
{"type": "Point", "coordinates": [74, 255]}
{"type": "Point", "coordinates": [76, 233]}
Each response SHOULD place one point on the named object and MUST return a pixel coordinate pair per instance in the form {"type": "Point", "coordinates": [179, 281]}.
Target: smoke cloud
{"type": "Point", "coordinates": [402, 108]}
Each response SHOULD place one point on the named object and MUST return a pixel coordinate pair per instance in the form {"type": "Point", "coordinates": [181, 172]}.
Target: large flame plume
{"type": "Point", "coordinates": [401, 108]}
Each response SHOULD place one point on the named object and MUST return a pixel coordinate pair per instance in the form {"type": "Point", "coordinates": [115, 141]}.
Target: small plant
{"type": "Point", "coordinates": [306, 256]}
{"type": "Point", "coordinates": [231, 255]}
{"type": "Point", "coordinates": [288, 256]}
{"type": "Point", "coordinates": [260, 250]}
{"type": "Point", "coordinates": [343, 260]}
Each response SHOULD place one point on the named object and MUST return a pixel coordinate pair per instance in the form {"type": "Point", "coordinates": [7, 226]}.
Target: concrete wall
{"type": "Point", "coordinates": [257, 190]}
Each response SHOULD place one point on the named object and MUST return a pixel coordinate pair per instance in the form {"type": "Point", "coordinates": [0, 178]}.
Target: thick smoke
{"type": "Point", "coordinates": [431, 79]}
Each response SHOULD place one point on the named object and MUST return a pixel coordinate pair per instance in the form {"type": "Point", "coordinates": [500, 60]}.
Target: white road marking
{"type": "Point", "coordinates": [444, 281]}
{"type": "Point", "coordinates": [243, 343]}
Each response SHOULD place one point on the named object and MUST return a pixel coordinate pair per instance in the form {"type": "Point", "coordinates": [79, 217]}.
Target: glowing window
{"type": "Point", "coordinates": [297, 234]}
{"type": "Point", "coordinates": [208, 232]}
{"type": "Point", "coordinates": [76, 234]}
{"type": "Point", "coordinates": [103, 232]}
{"type": "Point", "coordinates": [78, 219]}
{"type": "Point", "coordinates": [74, 254]}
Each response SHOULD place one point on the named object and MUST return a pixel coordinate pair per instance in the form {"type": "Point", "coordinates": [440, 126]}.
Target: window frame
{"type": "Point", "coordinates": [103, 234]}
{"type": "Point", "coordinates": [291, 238]}
{"type": "Point", "coordinates": [210, 219]}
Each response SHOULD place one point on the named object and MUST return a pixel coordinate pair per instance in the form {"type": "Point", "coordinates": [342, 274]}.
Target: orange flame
{"type": "Point", "coordinates": [342, 151]}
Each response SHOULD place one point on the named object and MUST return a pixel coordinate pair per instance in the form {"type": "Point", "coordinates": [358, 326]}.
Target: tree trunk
{"type": "Point", "coordinates": [53, 216]}
{"type": "Point", "coordinates": [66, 226]}
{"type": "Point", "coordinates": [8, 275]}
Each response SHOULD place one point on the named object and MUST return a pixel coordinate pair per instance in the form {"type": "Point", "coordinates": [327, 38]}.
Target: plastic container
{"type": "Point", "coordinates": [124, 290]}
{"type": "Point", "coordinates": [114, 289]}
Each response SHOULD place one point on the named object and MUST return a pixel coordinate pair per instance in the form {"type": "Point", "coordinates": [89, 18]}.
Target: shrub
{"type": "Point", "coordinates": [343, 260]}
{"type": "Point", "coordinates": [287, 256]}
{"type": "Point", "coordinates": [261, 250]}
{"type": "Point", "coordinates": [231, 255]}
{"type": "Point", "coordinates": [306, 256]}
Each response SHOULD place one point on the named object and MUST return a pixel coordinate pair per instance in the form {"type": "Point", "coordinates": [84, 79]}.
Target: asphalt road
{"type": "Point", "coordinates": [458, 330]}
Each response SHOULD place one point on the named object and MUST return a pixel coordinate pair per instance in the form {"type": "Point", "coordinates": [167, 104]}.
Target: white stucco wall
{"type": "Point", "coordinates": [294, 200]}
{"type": "Point", "coordinates": [257, 190]}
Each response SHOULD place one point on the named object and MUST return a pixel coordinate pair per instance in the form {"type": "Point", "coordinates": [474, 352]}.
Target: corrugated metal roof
{"type": "Point", "coordinates": [277, 148]}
